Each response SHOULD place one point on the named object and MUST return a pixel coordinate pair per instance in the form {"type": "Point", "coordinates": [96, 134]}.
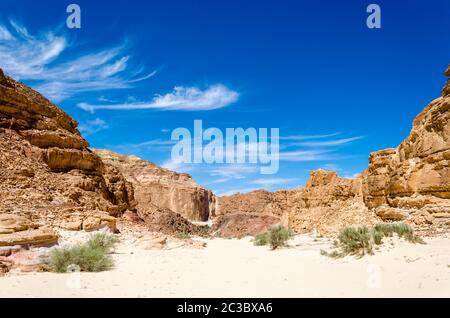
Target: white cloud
{"type": "Point", "coordinates": [181, 98]}
{"type": "Point", "coordinates": [41, 58]}
{"type": "Point", "coordinates": [231, 192]}
{"type": "Point", "coordinates": [352, 176]}
{"type": "Point", "coordinates": [230, 172]}
{"type": "Point", "coordinates": [307, 155]}
{"type": "Point", "coordinates": [177, 166]}
{"type": "Point", "coordinates": [93, 126]}
{"type": "Point", "coordinates": [267, 183]}
{"type": "Point", "coordinates": [154, 145]}
{"type": "Point", "coordinates": [328, 143]}
{"type": "Point", "coordinates": [5, 34]}
{"type": "Point", "coordinates": [308, 137]}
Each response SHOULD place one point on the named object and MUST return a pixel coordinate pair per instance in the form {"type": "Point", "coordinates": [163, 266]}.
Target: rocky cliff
{"type": "Point", "coordinates": [412, 182]}
{"type": "Point", "coordinates": [156, 186]}
{"type": "Point", "coordinates": [47, 172]}
{"type": "Point", "coordinates": [409, 183]}
{"type": "Point", "coordinates": [326, 204]}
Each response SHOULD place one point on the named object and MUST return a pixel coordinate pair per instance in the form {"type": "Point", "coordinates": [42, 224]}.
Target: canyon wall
{"type": "Point", "coordinates": [47, 172]}
{"type": "Point", "coordinates": [412, 181]}
{"type": "Point", "coordinates": [156, 186]}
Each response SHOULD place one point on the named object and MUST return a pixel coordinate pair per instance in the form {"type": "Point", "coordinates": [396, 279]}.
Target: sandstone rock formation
{"type": "Point", "coordinates": [326, 204]}
{"type": "Point", "coordinates": [161, 188]}
{"type": "Point", "coordinates": [412, 182]}
{"type": "Point", "coordinates": [48, 175]}
{"type": "Point", "coordinates": [242, 224]}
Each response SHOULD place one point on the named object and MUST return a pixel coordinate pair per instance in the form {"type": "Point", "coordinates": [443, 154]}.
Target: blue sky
{"type": "Point", "coordinates": [336, 89]}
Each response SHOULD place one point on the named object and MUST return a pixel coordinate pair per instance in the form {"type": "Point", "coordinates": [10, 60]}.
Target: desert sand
{"type": "Point", "coordinates": [237, 268]}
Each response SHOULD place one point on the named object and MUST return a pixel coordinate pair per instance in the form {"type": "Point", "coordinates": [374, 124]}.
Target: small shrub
{"type": "Point", "coordinates": [262, 239]}
{"type": "Point", "coordinates": [103, 241]}
{"type": "Point", "coordinates": [91, 256]}
{"type": "Point", "coordinates": [183, 236]}
{"type": "Point", "coordinates": [359, 241]}
{"type": "Point", "coordinates": [377, 237]}
{"type": "Point", "coordinates": [403, 230]}
{"type": "Point", "coordinates": [355, 241]}
{"type": "Point", "coordinates": [276, 237]}
{"type": "Point", "coordinates": [204, 230]}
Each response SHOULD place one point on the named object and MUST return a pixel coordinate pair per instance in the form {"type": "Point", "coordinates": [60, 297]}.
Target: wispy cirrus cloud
{"type": "Point", "coordinates": [92, 126]}
{"type": "Point", "coordinates": [328, 143]}
{"type": "Point", "coordinates": [308, 137]}
{"type": "Point", "coordinates": [269, 182]}
{"type": "Point", "coordinates": [181, 98]}
{"type": "Point", "coordinates": [48, 59]}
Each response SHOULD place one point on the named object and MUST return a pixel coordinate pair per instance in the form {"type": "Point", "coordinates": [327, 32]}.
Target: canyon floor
{"type": "Point", "coordinates": [237, 268]}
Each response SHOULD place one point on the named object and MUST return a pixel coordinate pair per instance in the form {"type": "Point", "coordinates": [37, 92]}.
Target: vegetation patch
{"type": "Point", "coordinates": [275, 237]}
{"type": "Point", "coordinates": [92, 256]}
{"type": "Point", "coordinates": [183, 235]}
{"type": "Point", "coordinates": [360, 241]}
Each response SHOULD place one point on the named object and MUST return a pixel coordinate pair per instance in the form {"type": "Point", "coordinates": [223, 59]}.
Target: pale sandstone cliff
{"type": "Point", "coordinates": [47, 173]}
{"type": "Point", "coordinates": [412, 182]}
{"type": "Point", "coordinates": [156, 186]}
{"type": "Point", "coordinates": [327, 203]}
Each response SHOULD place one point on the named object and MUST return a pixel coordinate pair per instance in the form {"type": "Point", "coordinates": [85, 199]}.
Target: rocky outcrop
{"type": "Point", "coordinates": [18, 230]}
{"type": "Point", "coordinates": [446, 90]}
{"type": "Point", "coordinates": [412, 182]}
{"type": "Point", "coordinates": [252, 202]}
{"type": "Point", "coordinates": [326, 204]}
{"type": "Point", "coordinates": [158, 187]}
{"type": "Point", "coordinates": [48, 174]}
{"type": "Point", "coordinates": [242, 224]}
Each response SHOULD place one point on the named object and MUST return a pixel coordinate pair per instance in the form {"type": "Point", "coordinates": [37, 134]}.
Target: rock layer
{"type": "Point", "coordinates": [412, 181]}
{"type": "Point", "coordinates": [48, 174]}
{"type": "Point", "coordinates": [327, 203]}
{"type": "Point", "coordinates": [156, 186]}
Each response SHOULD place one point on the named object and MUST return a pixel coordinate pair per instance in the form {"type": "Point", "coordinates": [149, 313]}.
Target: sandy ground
{"type": "Point", "coordinates": [236, 268]}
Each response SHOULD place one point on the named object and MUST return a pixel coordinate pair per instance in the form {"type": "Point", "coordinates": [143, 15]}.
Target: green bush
{"type": "Point", "coordinates": [204, 230]}
{"type": "Point", "coordinates": [401, 229]}
{"type": "Point", "coordinates": [92, 256]}
{"type": "Point", "coordinates": [262, 239]}
{"type": "Point", "coordinates": [103, 241]}
{"type": "Point", "coordinates": [377, 236]}
{"type": "Point", "coordinates": [276, 237]}
{"type": "Point", "coordinates": [355, 241]}
{"type": "Point", "coordinates": [183, 236]}
{"type": "Point", "coordinates": [359, 241]}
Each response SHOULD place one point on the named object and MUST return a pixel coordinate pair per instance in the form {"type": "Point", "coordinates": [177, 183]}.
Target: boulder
{"type": "Point", "coordinates": [36, 237]}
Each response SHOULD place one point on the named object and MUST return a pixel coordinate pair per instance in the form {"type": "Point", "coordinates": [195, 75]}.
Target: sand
{"type": "Point", "coordinates": [237, 268]}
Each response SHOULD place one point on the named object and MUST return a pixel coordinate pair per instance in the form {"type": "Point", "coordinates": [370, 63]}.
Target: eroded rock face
{"type": "Point", "coordinates": [327, 203]}
{"type": "Point", "coordinates": [242, 224]}
{"type": "Point", "coordinates": [446, 90]}
{"type": "Point", "coordinates": [412, 182]}
{"type": "Point", "coordinates": [156, 186]}
{"type": "Point", "coordinates": [47, 173]}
